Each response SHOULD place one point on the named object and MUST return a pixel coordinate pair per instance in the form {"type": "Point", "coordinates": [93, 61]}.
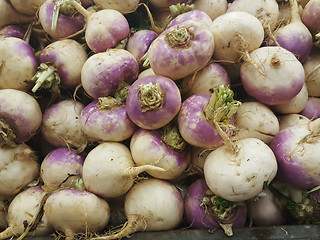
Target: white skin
{"type": "Point", "coordinates": [120, 5]}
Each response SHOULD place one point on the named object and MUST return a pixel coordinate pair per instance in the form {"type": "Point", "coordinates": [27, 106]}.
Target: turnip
{"type": "Point", "coordinates": [209, 77]}
{"type": "Point", "coordinates": [205, 210]}
{"type": "Point", "coordinates": [60, 66]}
{"type": "Point", "coordinates": [150, 205]}
{"type": "Point", "coordinates": [181, 50]}
{"type": "Point", "coordinates": [139, 43]}
{"type": "Point", "coordinates": [124, 7]}
{"type": "Point", "coordinates": [310, 16]}
{"type": "Point", "coordinates": [214, 8]}
{"type": "Point", "coordinates": [75, 211]}
{"type": "Point", "coordinates": [153, 101]}
{"type": "Point", "coordinates": [102, 73]}
{"type": "Point", "coordinates": [9, 15]}
{"type": "Point", "coordinates": [165, 4]}
{"type": "Point", "coordinates": [274, 75]}
{"type": "Point", "coordinates": [12, 30]}
{"type": "Point", "coordinates": [236, 33]}
{"type": "Point", "coordinates": [61, 125]}
{"type": "Point", "coordinates": [267, 11]}
{"type": "Point", "coordinates": [200, 116]}
{"type": "Point", "coordinates": [239, 170]}
{"type": "Point", "coordinates": [104, 28]}
{"type": "Point", "coordinates": [296, 149]}
{"type": "Point", "coordinates": [20, 115]}
{"type": "Point", "coordinates": [18, 63]}
{"type": "Point", "coordinates": [293, 119]}
{"type": "Point", "coordinates": [294, 36]}
{"type": "Point", "coordinates": [109, 170]}
{"type": "Point", "coordinates": [146, 72]}
{"type": "Point", "coordinates": [254, 119]}
{"type": "Point", "coordinates": [60, 167]}
{"type": "Point", "coordinates": [59, 19]}
{"type": "Point", "coordinates": [312, 108]}
{"type": "Point", "coordinates": [198, 157]}
{"type": "Point", "coordinates": [19, 167]}
{"type": "Point", "coordinates": [164, 148]}
{"type": "Point", "coordinates": [25, 215]}
{"type": "Point", "coordinates": [106, 119]}
{"type": "Point", "coordinates": [295, 105]}
{"type": "Point", "coordinates": [27, 7]}
{"type": "Point", "coordinates": [312, 74]}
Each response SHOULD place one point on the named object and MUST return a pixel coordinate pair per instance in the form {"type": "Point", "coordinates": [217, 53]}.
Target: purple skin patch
{"type": "Point", "coordinates": [107, 125]}
{"type": "Point", "coordinates": [154, 119]}
{"type": "Point", "coordinates": [12, 31]}
{"type": "Point", "coordinates": [193, 126]}
{"type": "Point", "coordinates": [196, 215]}
{"type": "Point", "coordinates": [24, 50]}
{"type": "Point", "coordinates": [312, 108]}
{"type": "Point", "coordinates": [194, 15]}
{"type": "Point", "coordinates": [66, 25]}
{"type": "Point", "coordinates": [291, 169]}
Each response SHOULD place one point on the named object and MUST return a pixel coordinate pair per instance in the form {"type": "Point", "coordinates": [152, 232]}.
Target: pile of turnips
{"type": "Point", "coordinates": [118, 117]}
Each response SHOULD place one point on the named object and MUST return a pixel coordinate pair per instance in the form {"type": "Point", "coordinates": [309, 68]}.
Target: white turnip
{"type": "Point", "coordinates": [214, 8]}
{"type": "Point", "coordinates": [124, 7]}
{"type": "Point", "coordinates": [293, 119]}
{"type": "Point", "coordinates": [27, 7]}
{"type": "Point", "coordinates": [312, 73]}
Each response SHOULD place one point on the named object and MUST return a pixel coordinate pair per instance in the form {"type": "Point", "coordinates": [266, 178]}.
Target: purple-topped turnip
{"type": "Point", "coordinates": [201, 114]}
{"type": "Point", "coordinates": [60, 66]}
{"type": "Point", "coordinates": [312, 72]}
{"type": "Point", "coordinates": [102, 73]}
{"type": "Point", "coordinates": [104, 28]}
{"type": "Point", "coordinates": [274, 75]}
{"type": "Point", "coordinates": [310, 16]}
{"type": "Point", "coordinates": [312, 108]}
{"type": "Point", "coordinates": [106, 119]}
{"type": "Point", "coordinates": [18, 63]}
{"type": "Point", "coordinates": [150, 205]}
{"type": "Point", "coordinates": [164, 148]}
{"type": "Point", "coordinates": [12, 30]}
{"type": "Point", "coordinates": [181, 50]}
{"type": "Point", "coordinates": [294, 36]}
{"type": "Point", "coordinates": [60, 167]}
{"type": "Point", "coordinates": [153, 101]}
{"type": "Point", "coordinates": [20, 115]}
{"type": "Point", "coordinates": [205, 210]}
{"type": "Point", "coordinates": [75, 211]}
{"type": "Point", "coordinates": [59, 19]}
{"type": "Point", "coordinates": [297, 149]}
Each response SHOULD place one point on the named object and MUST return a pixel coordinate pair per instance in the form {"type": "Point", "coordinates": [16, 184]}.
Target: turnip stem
{"type": "Point", "coordinates": [151, 96]}
{"type": "Point", "coordinates": [135, 171]}
{"type": "Point", "coordinates": [80, 9]}
{"type": "Point", "coordinates": [42, 76]}
{"type": "Point", "coordinates": [294, 11]}
{"type": "Point", "coordinates": [8, 232]}
{"type": "Point", "coordinates": [153, 25]}
{"type": "Point", "coordinates": [170, 135]}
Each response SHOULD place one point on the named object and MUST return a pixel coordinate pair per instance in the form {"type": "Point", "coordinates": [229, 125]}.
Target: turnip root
{"type": "Point", "coordinates": [122, 6]}
{"type": "Point", "coordinates": [27, 7]}
{"type": "Point", "coordinates": [214, 8]}
{"type": "Point", "coordinates": [104, 28]}
{"type": "Point", "coordinates": [24, 214]}
{"type": "Point", "coordinates": [60, 168]}
{"type": "Point", "coordinates": [312, 108]}
{"type": "Point", "coordinates": [109, 170]}
{"type": "Point", "coordinates": [61, 125]}
{"type": "Point", "coordinates": [296, 149]}
{"type": "Point", "coordinates": [240, 171]}
{"type": "Point", "coordinates": [236, 33]}
{"type": "Point", "coordinates": [274, 75]}
{"type": "Point", "coordinates": [150, 205]}
{"type": "Point", "coordinates": [76, 211]}
{"type": "Point", "coordinates": [18, 63]}
{"type": "Point", "coordinates": [254, 119]}
{"type": "Point", "coordinates": [164, 148]}
{"type": "Point", "coordinates": [289, 120]}
{"type": "Point", "coordinates": [19, 167]}
{"type": "Point", "coordinates": [20, 115]}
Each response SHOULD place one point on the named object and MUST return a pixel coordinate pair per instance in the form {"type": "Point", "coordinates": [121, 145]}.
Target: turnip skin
{"type": "Point", "coordinates": [289, 120]}
{"type": "Point", "coordinates": [103, 124]}
{"type": "Point", "coordinates": [22, 209]}
{"type": "Point", "coordinates": [154, 118]}
{"type": "Point", "coordinates": [277, 77]}
{"type": "Point", "coordinates": [240, 172]}
{"type": "Point", "coordinates": [20, 63]}
{"type": "Point", "coordinates": [296, 149]}
{"type": "Point", "coordinates": [61, 125]}
{"type": "Point", "coordinates": [60, 167]}
{"type": "Point", "coordinates": [68, 57]}
{"type": "Point", "coordinates": [310, 16]}
{"type": "Point", "coordinates": [147, 147]}
{"type": "Point", "coordinates": [312, 108]}
{"type": "Point", "coordinates": [102, 72]}
{"type": "Point", "coordinates": [12, 30]}
{"type": "Point", "coordinates": [311, 67]}
{"type": "Point", "coordinates": [19, 167]}
{"type": "Point", "coordinates": [165, 4]}
{"type": "Point", "coordinates": [66, 25]}
{"type": "Point", "coordinates": [193, 126]}
{"type": "Point", "coordinates": [199, 217]}
{"type": "Point", "coordinates": [175, 57]}
{"type": "Point", "coordinates": [75, 211]}
{"type": "Point", "coordinates": [22, 113]}
{"type": "Point", "coordinates": [27, 7]}
{"type": "Point", "coordinates": [122, 6]}
{"type": "Point", "coordinates": [214, 8]}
